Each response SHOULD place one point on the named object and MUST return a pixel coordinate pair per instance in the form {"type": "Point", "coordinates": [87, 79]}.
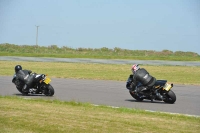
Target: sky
{"type": "Point", "coordinates": [128, 24]}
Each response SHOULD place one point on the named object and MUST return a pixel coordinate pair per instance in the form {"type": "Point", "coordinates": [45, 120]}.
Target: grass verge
{"type": "Point", "coordinates": [119, 72]}
{"type": "Point", "coordinates": [19, 115]}
{"type": "Point", "coordinates": [7, 49]}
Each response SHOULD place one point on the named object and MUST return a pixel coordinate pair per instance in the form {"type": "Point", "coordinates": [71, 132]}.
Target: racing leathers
{"type": "Point", "coordinates": [140, 80]}
{"type": "Point", "coordinates": [24, 76]}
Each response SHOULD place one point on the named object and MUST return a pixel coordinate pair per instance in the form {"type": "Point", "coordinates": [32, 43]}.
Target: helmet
{"type": "Point", "coordinates": [17, 68]}
{"type": "Point", "coordinates": [135, 67]}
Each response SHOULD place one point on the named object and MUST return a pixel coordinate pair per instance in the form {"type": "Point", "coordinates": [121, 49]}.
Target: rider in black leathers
{"type": "Point", "coordinates": [140, 80]}
{"type": "Point", "coordinates": [24, 76]}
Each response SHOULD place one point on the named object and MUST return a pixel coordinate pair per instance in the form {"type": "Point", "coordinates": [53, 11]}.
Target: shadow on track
{"type": "Point", "coordinates": [18, 94]}
{"type": "Point", "coordinates": [145, 101]}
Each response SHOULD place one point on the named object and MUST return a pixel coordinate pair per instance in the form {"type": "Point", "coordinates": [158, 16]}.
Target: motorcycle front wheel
{"type": "Point", "coordinates": [170, 97]}
{"type": "Point", "coordinates": [49, 90]}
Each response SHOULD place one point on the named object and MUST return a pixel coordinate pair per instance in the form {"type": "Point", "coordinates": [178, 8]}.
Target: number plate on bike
{"type": "Point", "coordinates": [47, 80]}
{"type": "Point", "coordinates": [167, 87]}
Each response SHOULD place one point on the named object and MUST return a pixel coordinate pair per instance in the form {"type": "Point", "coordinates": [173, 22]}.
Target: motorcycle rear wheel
{"type": "Point", "coordinates": [135, 96]}
{"type": "Point", "coordinates": [20, 90]}
{"type": "Point", "coordinates": [170, 97]}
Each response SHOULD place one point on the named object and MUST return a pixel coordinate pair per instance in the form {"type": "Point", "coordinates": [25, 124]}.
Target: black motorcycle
{"type": "Point", "coordinates": [41, 85]}
{"type": "Point", "coordinates": [161, 91]}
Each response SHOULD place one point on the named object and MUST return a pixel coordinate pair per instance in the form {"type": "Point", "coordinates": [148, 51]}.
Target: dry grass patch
{"type": "Point", "coordinates": [37, 116]}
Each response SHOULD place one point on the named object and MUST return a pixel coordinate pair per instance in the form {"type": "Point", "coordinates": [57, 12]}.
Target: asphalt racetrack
{"type": "Point", "coordinates": [112, 93]}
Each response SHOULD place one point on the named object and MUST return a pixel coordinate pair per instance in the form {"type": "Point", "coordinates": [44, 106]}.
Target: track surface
{"type": "Point", "coordinates": [112, 93]}
{"type": "Point", "coordinates": [103, 61]}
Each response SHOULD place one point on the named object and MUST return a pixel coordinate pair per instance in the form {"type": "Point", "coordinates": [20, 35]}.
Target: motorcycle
{"type": "Point", "coordinates": [41, 85]}
{"type": "Point", "coordinates": [161, 91]}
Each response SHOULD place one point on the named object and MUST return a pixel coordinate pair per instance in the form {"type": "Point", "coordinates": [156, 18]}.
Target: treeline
{"type": "Point", "coordinates": [115, 53]}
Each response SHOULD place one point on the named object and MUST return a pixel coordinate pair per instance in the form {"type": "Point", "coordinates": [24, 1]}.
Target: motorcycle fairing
{"type": "Point", "coordinates": [160, 82]}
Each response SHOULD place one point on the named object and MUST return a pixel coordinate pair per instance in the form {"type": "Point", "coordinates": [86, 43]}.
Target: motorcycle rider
{"type": "Point", "coordinates": [24, 76]}
{"type": "Point", "coordinates": [140, 80]}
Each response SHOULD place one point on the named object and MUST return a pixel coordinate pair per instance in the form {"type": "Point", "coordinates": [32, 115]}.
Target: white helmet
{"type": "Point", "coordinates": [135, 67]}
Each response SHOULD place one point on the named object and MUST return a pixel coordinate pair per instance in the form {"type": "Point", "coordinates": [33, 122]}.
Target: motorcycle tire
{"type": "Point", "coordinates": [49, 91]}
{"type": "Point", "coordinates": [19, 89]}
{"type": "Point", "coordinates": [136, 97]}
{"type": "Point", "coordinates": [19, 85]}
{"type": "Point", "coordinates": [170, 97]}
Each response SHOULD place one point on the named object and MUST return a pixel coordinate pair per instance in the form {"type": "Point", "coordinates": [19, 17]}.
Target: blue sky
{"type": "Point", "coordinates": [128, 24]}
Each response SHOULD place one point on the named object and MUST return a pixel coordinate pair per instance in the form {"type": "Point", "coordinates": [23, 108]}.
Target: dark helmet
{"type": "Point", "coordinates": [17, 68]}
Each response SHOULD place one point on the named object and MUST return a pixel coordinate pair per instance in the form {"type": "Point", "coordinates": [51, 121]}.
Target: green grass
{"type": "Point", "coordinates": [18, 115]}
{"type": "Point", "coordinates": [7, 49]}
{"type": "Point", "coordinates": [119, 72]}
